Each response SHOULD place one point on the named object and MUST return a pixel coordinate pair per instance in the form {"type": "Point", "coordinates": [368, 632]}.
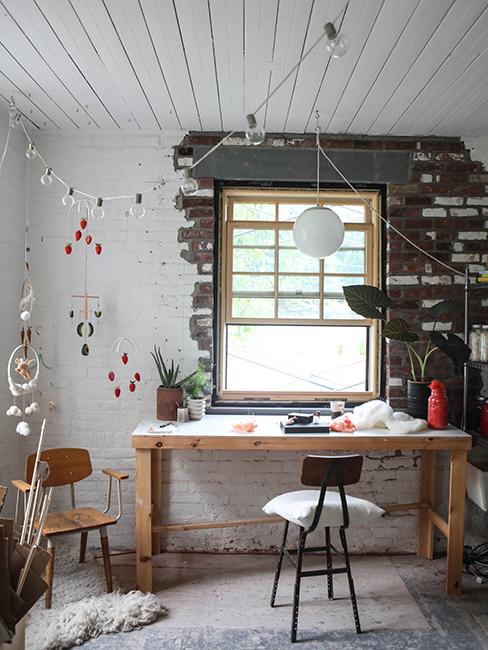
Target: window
{"type": "Point", "coordinates": [285, 331]}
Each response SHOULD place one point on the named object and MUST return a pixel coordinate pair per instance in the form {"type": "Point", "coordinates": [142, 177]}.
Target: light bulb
{"type": "Point", "coordinates": [30, 151]}
{"type": "Point", "coordinates": [13, 115]}
{"type": "Point", "coordinates": [68, 199]}
{"type": "Point", "coordinates": [97, 212]}
{"type": "Point", "coordinates": [137, 209]}
{"type": "Point", "coordinates": [337, 44]}
{"type": "Point", "coordinates": [318, 232]}
{"type": "Point", "coordinates": [254, 134]}
{"type": "Point", "coordinates": [46, 178]}
{"type": "Point", "coordinates": [190, 184]}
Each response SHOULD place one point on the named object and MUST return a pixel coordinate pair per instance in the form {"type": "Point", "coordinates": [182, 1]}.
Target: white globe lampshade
{"type": "Point", "coordinates": [318, 232]}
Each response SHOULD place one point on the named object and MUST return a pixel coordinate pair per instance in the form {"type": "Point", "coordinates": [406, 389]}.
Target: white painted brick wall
{"type": "Point", "coordinates": [145, 290]}
{"type": "Point", "coordinates": [12, 211]}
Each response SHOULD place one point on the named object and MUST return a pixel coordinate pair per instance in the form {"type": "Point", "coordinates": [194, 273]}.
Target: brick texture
{"type": "Point", "coordinates": [441, 208]}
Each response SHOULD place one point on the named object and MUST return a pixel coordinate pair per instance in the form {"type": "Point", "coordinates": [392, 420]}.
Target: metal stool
{"type": "Point", "coordinates": [323, 472]}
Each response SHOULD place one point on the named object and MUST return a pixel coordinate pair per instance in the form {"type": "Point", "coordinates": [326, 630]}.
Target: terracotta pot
{"type": "Point", "coordinates": [167, 400]}
{"type": "Point", "coordinates": [418, 393]}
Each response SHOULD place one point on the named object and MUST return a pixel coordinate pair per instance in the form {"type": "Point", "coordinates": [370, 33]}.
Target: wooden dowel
{"type": "Point", "coordinates": [28, 513]}
{"type": "Point", "coordinates": [207, 525]}
{"type": "Point", "coordinates": [439, 522]}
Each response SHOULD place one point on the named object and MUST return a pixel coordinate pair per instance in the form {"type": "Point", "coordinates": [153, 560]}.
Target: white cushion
{"type": "Point", "coordinates": [299, 508]}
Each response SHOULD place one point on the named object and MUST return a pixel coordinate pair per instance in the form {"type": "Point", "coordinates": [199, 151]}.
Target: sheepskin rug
{"type": "Point", "coordinates": [81, 607]}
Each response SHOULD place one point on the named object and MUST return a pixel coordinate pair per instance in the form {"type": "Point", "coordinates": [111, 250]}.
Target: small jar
{"type": "Point", "coordinates": [337, 408]}
{"type": "Point", "coordinates": [475, 342]}
{"type": "Point", "coordinates": [438, 407]}
{"type": "Point", "coordinates": [484, 343]}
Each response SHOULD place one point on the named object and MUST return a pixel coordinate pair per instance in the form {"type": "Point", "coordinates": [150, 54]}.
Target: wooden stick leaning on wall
{"type": "Point", "coordinates": [30, 503]}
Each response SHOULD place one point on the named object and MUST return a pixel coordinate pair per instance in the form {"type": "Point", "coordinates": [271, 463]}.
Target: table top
{"type": "Point", "coordinates": [215, 432]}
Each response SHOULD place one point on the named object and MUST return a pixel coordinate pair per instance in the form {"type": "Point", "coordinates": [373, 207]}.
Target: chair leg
{"type": "Point", "coordinates": [342, 534]}
{"type": "Point", "coordinates": [278, 566]}
{"type": "Point", "coordinates": [296, 594]}
{"type": "Point", "coordinates": [330, 577]}
{"type": "Point", "coordinates": [106, 558]}
{"type": "Point", "coordinates": [83, 540]}
{"type": "Point", "coordinates": [49, 575]}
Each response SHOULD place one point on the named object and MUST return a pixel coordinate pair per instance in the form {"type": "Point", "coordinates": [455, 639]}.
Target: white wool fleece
{"type": "Point", "coordinates": [377, 414]}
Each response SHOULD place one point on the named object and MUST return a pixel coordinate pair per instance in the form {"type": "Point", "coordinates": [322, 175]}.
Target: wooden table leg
{"type": "Point", "coordinates": [156, 459]}
{"type": "Point", "coordinates": [455, 539]}
{"type": "Point", "coordinates": [143, 520]}
{"type": "Point", "coordinates": [428, 479]}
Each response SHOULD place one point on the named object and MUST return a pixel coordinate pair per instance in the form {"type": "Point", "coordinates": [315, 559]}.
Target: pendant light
{"type": "Point", "coordinates": [318, 231]}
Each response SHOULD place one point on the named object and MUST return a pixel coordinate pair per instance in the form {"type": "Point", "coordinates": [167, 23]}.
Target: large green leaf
{"type": "Point", "coordinates": [453, 346]}
{"type": "Point", "coordinates": [365, 300]}
{"type": "Point", "coordinates": [399, 330]}
{"type": "Point", "coordinates": [442, 308]}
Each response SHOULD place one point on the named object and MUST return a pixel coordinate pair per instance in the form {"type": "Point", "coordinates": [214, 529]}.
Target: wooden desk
{"type": "Point", "coordinates": [214, 433]}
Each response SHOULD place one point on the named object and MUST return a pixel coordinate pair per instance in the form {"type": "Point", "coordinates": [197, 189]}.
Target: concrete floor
{"type": "Point", "coordinates": [220, 602]}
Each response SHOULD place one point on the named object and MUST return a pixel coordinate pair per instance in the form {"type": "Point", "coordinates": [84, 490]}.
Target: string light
{"type": "Point", "coordinates": [68, 199]}
{"type": "Point", "coordinates": [137, 209]}
{"type": "Point", "coordinates": [98, 212]}
{"type": "Point", "coordinates": [30, 152]}
{"type": "Point", "coordinates": [337, 44]}
{"type": "Point", "coordinates": [13, 114]}
{"type": "Point", "coordinates": [190, 184]}
{"type": "Point", "coordinates": [47, 178]}
{"type": "Point", "coordinates": [254, 134]}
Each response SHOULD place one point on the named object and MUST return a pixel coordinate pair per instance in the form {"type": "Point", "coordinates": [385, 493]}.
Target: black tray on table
{"type": "Point", "coordinates": [304, 428]}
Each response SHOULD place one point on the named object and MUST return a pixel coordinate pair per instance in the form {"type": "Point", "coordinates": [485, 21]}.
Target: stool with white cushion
{"type": "Point", "coordinates": [310, 509]}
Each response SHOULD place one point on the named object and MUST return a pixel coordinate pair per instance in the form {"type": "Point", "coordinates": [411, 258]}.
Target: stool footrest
{"type": "Point", "coordinates": [322, 572]}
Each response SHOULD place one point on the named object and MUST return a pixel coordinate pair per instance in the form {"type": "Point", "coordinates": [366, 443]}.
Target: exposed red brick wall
{"type": "Point", "coordinates": [443, 208]}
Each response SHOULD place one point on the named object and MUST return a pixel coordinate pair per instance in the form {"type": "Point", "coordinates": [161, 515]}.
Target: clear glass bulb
{"type": "Point", "coordinates": [13, 115]}
{"type": "Point", "coordinates": [190, 184]}
{"type": "Point", "coordinates": [30, 152]}
{"type": "Point", "coordinates": [46, 178]}
{"type": "Point", "coordinates": [137, 210]}
{"type": "Point", "coordinates": [254, 133]}
{"type": "Point", "coordinates": [68, 199]}
{"type": "Point", "coordinates": [336, 44]}
{"type": "Point", "coordinates": [337, 47]}
{"type": "Point", "coordinates": [97, 212]}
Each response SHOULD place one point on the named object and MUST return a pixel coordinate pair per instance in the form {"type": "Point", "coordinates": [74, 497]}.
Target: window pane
{"type": "Point", "coordinates": [285, 238]}
{"type": "Point", "coordinates": [334, 284]}
{"type": "Point", "coordinates": [298, 308]}
{"type": "Point", "coordinates": [338, 308]}
{"type": "Point", "coordinates": [349, 213]}
{"type": "Point", "coordinates": [253, 308]}
{"type": "Point", "coordinates": [253, 259]}
{"type": "Point", "coordinates": [247, 237]}
{"type": "Point", "coordinates": [298, 284]}
{"type": "Point", "coordinates": [252, 283]}
{"type": "Point", "coordinates": [254, 211]}
{"type": "Point", "coordinates": [345, 261]}
{"type": "Point", "coordinates": [319, 358]}
{"type": "Point", "coordinates": [354, 239]}
{"type": "Point", "coordinates": [292, 261]}
{"type": "Point", "coordinates": [290, 211]}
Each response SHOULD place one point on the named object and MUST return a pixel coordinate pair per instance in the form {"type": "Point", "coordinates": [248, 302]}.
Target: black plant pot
{"type": "Point", "coordinates": [418, 392]}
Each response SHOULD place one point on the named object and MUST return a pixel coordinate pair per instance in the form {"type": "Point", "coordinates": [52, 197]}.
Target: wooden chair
{"type": "Point", "coordinates": [322, 472]}
{"type": "Point", "coordinates": [67, 467]}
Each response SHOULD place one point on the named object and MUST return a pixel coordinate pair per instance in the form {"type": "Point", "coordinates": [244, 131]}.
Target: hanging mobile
{"type": "Point", "coordinates": [124, 343]}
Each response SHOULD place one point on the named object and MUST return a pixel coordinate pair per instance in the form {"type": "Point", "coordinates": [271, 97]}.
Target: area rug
{"type": "Point", "coordinates": [82, 609]}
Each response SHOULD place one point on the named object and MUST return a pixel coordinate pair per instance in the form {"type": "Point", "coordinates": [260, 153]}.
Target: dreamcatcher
{"type": "Point", "coordinates": [24, 361]}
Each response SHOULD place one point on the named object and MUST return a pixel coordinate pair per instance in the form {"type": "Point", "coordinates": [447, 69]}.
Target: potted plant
{"type": "Point", "coordinates": [170, 391]}
{"type": "Point", "coordinates": [195, 387]}
{"type": "Point", "coordinates": [371, 302]}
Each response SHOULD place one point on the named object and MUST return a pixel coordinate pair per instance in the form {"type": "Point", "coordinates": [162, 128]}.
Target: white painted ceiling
{"type": "Point", "coordinates": [413, 66]}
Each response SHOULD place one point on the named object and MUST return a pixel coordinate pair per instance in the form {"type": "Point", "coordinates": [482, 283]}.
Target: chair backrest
{"type": "Point", "coordinates": [65, 466]}
{"type": "Point", "coordinates": [336, 470]}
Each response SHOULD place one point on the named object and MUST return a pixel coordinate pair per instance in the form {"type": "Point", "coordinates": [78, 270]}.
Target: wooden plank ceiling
{"type": "Point", "coordinates": [413, 66]}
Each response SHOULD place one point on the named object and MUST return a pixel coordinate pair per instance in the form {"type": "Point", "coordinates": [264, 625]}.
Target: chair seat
{"type": "Point", "coordinates": [299, 508]}
{"type": "Point", "coordinates": [75, 521]}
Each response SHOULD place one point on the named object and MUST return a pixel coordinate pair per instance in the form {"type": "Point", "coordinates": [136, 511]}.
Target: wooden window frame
{"type": "Point", "coordinates": [372, 275]}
